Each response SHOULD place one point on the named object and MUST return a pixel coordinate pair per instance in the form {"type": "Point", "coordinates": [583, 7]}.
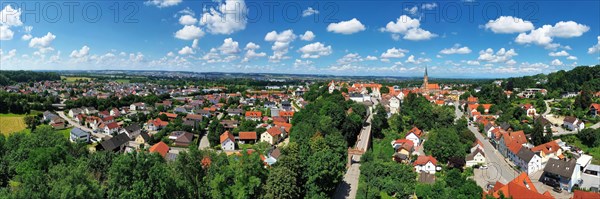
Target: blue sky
{"type": "Point", "coordinates": [391, 38]}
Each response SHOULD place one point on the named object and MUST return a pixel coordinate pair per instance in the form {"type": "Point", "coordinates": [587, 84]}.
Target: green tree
{"type": "Point", "coordinates": [281, 184]}
{"type": "Point", "coordinates": [31, 122]}
{"type": "Point", "coordinates": [384, 90]}
{"type": "Point", "coordinates": [443, 144]}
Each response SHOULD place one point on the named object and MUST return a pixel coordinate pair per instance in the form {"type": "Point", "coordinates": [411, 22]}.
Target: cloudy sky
{"type": "Point", "coordinates": [391, 38]}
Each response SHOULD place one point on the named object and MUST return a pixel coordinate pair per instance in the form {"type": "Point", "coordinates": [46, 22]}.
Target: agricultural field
{"type": "Point", "coordinates": [73, 79]}
{"type": "Point", "coordinates": [10, 123]}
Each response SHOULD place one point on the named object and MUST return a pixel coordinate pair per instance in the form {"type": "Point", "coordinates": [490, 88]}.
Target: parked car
{"type": "Point", "coordinates": [483, 167]}
{"type": "Point", "coordinates": [557, 189]}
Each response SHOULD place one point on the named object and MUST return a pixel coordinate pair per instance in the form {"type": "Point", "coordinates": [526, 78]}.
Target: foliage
{"type": "Point", "coordinates": [11, 77]}
{"type": "Point", "coordinates": [445, 143]}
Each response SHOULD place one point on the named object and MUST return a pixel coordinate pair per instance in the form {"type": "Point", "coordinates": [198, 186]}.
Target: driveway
{"type": "Point", "coordinates": [204, 144]}
{"type": "Point", "coordinates": [349, 186]}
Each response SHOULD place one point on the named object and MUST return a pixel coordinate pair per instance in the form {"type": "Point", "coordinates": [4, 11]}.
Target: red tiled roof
{"type": "Point", "coordinates": [596, 106]}
{"type": "Point", "coordinates": [286, 113]}
{"type": "Point", "coordinates": [285, 125]}
{"type": "Point", "coordinates": [193, 117]}
{"type": "Point", "coordinates": [160, 148]}
{"type": "Point", "coordinates": [253, 114]}
{"type": "Point", "coordinates": [169, 115]}
{"type": "Point", "coordinates": [227, 135]}
{"type": "Point", "coordinates": [514, 140]}
{"type": "Point", "coordinates": [274, 131]}
{"type": "Point", "coordinates": [248, 135]}
{"type": "Point", "coordinates": [578, 194]}
{"type": "Point", "coordinates": [519, 188]}
{"type": "Point", "coordinates": [112, 125]}
{"type": "Point", "coordinates": [158, 122]}
{"type": "Point", "coordinates": [422, 160]}
{"type": "Point", "coordinates": [415, 131]}
{"type": "Point", "coordinates": [406, 144]}
{"type": "Point", "coordinates": [109, 118]}
{"type": "Point", "coordinates": [547, 148]}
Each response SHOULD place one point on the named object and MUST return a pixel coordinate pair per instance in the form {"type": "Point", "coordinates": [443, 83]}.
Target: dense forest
{"type": "Point", "coordinates": [577, 79]}
{"type": "Point", "coordinates": [11, 77]}
{"type": "Point", "coordinates": [23, 103]}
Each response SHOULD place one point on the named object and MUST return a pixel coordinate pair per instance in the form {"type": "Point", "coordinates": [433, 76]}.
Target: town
{"type": "Point", "coordinates": [291, 138]}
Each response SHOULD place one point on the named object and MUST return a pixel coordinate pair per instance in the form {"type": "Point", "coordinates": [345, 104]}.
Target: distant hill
{"type": "Point", "coordinates": [578, 78]}
{"type": "Point", "coordinates": [9, 77]}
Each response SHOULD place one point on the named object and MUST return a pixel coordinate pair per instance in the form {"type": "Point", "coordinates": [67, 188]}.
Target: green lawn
{"type": "Point", "coordinates": [10, 123]}
{"type": "Point", "coordinates": [594, 152]}
{"type": "Point", "coordinates": [65, 132]}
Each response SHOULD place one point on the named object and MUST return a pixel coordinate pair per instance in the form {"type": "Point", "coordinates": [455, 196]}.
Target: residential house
{"type": "Point", "coordinates": [548, 150]}
{"type": "Point", "coordinates": [137, 106]}
{"type": "Point", "coordinates": [567, 174]}
{"type": "Point", "coordinates": [287, 115]}
{"type": "Point", "coordinates": [90, 110]}
{"type": "Point", "coordinates": [142, 138]}
{"type": "Point", "coordinates": [78, 135]}
{"type": "Point", "coordinates": [286, 105]}
{"type": "Point", "coordinates": [116, 143]}
{"type": "Point", "coordinates": [247, 137]}
{"type": "Point", "coordinates": [519, 188]}
{"type": "Point", "coordinates": [115, 112]}
{"type": "Point", "coordinates": [234, 112]}
{"type": "Point", "coordinates": [103, 114]}
{"type": "Point", "coordinates": [403, 150]}
{"type": "Point", "coordinates": [111, 128]}
{"type": "Point", "coordinates": [476, 157]}
{"type": "Point", "coordinates": [271, 136]}
{"type": "Point", "coordinates": [579, 194]}
{"type": "Point", "coordinates": [49, 116]}
{"type": "Point", "coordinates": [510, 143]}
{"type": "Point", "coordinates": [181, 138]}
{"type": "Point", "coordinates": [227, 141]}
{"type": "Point", "coordinates": [394, 105]}
{"type": "Point", "coordinates": [160, 148]}
{"type": "Point", "coordinates": [529, 109]}
{"type": "Point", "coordinates": [594, 109]}
{"type": "Point", "coordinates": [75, 111]}
{"type": "Point", "coordinates": [108, 119]}
{"type": "Point", "coordinates": [414, 135]}
{"type": "Point", "coordinates": [132, 130]}
{"type": "Point", "coordinates": [528, 161]}
{"type": "Point", "coordinates": [203, 112]}
{"type": "Point", "coordinates": [253, 115]}
{"type": "Point", "coordinates": [573, 124]}
{"type": "Point", "coordinates": [427, 164]}
{"type": "Point", "coordinates": [156, 124]}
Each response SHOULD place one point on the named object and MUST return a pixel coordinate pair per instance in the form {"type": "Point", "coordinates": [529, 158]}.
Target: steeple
{"type": "Point", "coordinates": [425, 71]}
{"type": "Point", "coordinates": [425, 86]}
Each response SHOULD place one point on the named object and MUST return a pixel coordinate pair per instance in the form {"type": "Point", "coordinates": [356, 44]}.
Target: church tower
{"type": "Point", "coordinates": [425, 82]}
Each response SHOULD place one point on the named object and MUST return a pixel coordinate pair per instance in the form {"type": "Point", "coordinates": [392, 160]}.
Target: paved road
{"type": "Point", "coordinates": [204, 144]}
{"type": "Point", "coordinates": [349, 186]}
{"type": "Point", "coordinates": [75, 124]}
{"type": "Point", "coordinates": [498, 168]}
{"type": "Point", "coordinates": [595, 126]}
{"type": "Point", "coordinates": [363, 138]}
{"type": "Point", "coordinates": [547, 107]}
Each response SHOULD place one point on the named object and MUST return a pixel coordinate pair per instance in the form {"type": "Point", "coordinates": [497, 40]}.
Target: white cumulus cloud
{"type": "Point", "coordinates": [346, 27]}
{"type": "Point", "coordinates": [229, 46]}
{"type": "Point", "coordinates": [408, 27]}
{"type": "Point", "coordinates": [43, 43]}
{"type": "Point", "coordinates": [559, 54]}
{"type": "Point", "coordinates": [509, 24]}
{"type": "Point", "coordinates": [544, 35]}
{"type": "Point", "coordinates": [501, 56]}
{"type": "Point", "coordinates": [228, 18]}
{"type": "Point", "coordinates": [187, 20]}
{"type": "Point", "coordinates": [309, 11]}
{"type": "Point", "coordinates": [595, 48]}
{"type": "Point", "coordinates": [186, 50]}
{"type": "Point", "coordinates": [281, 43]}
{"type": "Point", "coordinates": [81, 53]}
{"type": "Point", "coordinates": [393, 53]}
{"type": "Point", "coordinates": [315, 50]}
{"type": "Point", "coordinates": [163, 3]}
{"type": "Point", "coordinates": [189, 32]}
{"type": "Point", "coordinates": [556, 62]}
{"type": "Point", "coordinates": [456, 49]}
{"type": "Point", "coordinates": [307, 36]}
